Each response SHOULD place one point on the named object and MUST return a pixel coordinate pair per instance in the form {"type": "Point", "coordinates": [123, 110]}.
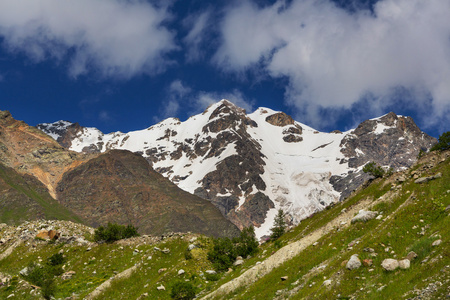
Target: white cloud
{"type": "Point", "coordinates": [114, 38]}
{"type": "Point", "coordinates": [204, 99]}
{"type": "Point", "coordinates": [334, 58]}
{"type": "Point", "coordinates": [198, 24]}
{"type": "Point", "coordinates": [182, 97]}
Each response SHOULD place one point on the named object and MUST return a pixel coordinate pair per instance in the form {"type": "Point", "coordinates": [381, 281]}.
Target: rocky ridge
{"type": "Point", "coordinates": [41, 179]}
{"type": "Point", "coordinates": [250, 165]}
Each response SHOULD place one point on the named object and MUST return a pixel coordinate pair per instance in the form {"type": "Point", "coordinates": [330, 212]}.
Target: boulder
{"type": "Point", "coordinates": [364, 216]}
{"type": "Point", "coordinates": [327, 282]}
{"type": "Point", "coordinates": [210, 272]}
{"type": "Point", "coordinates": [390, 264]}
{"type": "Point", "coordinates": [411, 256]}
{"type": "Point", "coordinates": [436, 243]}
{"type": "Point", "coordinates": [404, 264]}
{"type": "Point", "coordinates": [161, 288]}
{"type": "Point", "coordinates": [162, 270]}
{"type": "Point", "coordinates": [191, 247]}
{"type": "Point", "coordinates": [353, 262]}
{"type": "Point", "coordinates": [367, 262]}
{"type": "Point", "coordinates": [181, 272]}
{"type": "Point", "coordinates": [284, 278]}
{"type": "Point", "coordinates": [238, 262]}
{"type": "Point", "coordinates": [67, 275]}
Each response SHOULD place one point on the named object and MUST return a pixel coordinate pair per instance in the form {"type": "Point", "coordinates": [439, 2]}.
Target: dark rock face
{"type": "Point", "coordinates": [400, 140]}
{"type": "Point", "coordinates": [280, 119]}
{"type": "Point", "coordinates": [388, 141]}
{"type": "Point", "coordinates": [120, 186]}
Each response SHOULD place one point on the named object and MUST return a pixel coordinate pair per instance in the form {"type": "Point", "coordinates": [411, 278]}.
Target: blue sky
{"type": "Point", "coordinates": [122, 65]}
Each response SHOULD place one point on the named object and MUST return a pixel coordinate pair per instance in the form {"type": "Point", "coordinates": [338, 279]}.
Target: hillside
{"type": "Point", "coordinates": [310, 261]}
{"type": "Point", "coordinates": [39, 179]}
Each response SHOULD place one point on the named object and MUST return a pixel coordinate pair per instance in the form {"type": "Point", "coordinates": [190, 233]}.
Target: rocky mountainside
{"type": "Point", "coordinates": [388, 240]}
{"type": "Point", "coordinates": [250, 165]}
{"type": "Point", "coordinates": [41, 179]}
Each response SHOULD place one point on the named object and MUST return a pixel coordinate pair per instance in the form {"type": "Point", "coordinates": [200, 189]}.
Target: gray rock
{"type": "Point", "coordinates": [364, 216]}
{"type": "Point", "coordinates": [166, 251]}
{"type": "Point", "coordinates": [181, 272]}
{"type": "Point", "coordinates": [353, 262]}
{"type": "Point", "coordinates": [238, 262]}
{"type": "Point", "coordinates": [401, 179]}
{"type": "Point", "coordinates": [404, 264]}
{"type": "Point", "coordinates": [211, 272]}
{"type": "Point", "coordinates": [411, 256]}
{"type": "Point", "coordinates": [284, 278]}
{"type": "Point", "coordinates": [327, 282]}
{"type": "Point", "coordinates": [161, 288]}
{"type": "Point", "coordinates": [24, 271]}
{"type": "Point", "coordinates": [390, 264]}
{"type": "Point", "coordinates": [436, 243]}
{"type": "Point", "coordinates": [191, 247]}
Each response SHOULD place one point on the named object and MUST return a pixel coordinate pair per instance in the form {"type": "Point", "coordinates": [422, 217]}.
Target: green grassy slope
{"type": "Point", "coordinates": [24, 198]}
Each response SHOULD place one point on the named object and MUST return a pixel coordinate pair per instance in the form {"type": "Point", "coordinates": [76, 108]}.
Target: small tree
{"type": "Point", "coordinates": [246, 243]}
{"type": "Point", "coordinates": [374, 170]}
{"type": "Point", "coordinates": [444, 142]}
{"type": "Point", "coordinates": [279, 225]}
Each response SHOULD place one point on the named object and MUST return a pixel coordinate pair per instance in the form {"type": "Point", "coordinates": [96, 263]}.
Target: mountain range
{"type": "Point", "coordinates": [247, 165]}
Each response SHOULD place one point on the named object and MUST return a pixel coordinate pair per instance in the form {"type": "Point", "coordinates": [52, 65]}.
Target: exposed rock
{"type": "Point", "coordinates": [238, 262]}
{"type": "Point", "coordinates": [161, 288]}
{"type": "Point", "coordinates": [327, 282]}
{"type": "Point", "coordinates": [411, 256]}
{"type": "Point", "coordinates": [436, 243]}
{"type": "Point", "coordinates": [181, 272]}
{"type": "Point", "coordinates": [162, 270]}
{"type": "Point", "coordinates": [404, 264]}
{"type": "Point", "coordinates": [67, 275]}
{"type": "Point", "coordinates": [210, 272]}
{"type": "Point", "coordinates": [280, 119]}
{"type": "Point", "coordinates": [429, 178]}
{"type": "Point", "coordinates": [166, 251]}
{"type": "Point", "coordinates": [292, 138]}
{"type": "Point", "coordinates": [284, 278]}
{"type": "Point", "coordinates": [353, 262]}
{"type": "Point", "coordinates": [367, 262]}
{"type": "Point", "coordinates": [390, 264]}
{"type": "Point", "coordinates": [191, 247]}
{"type": "Point", "coordinates": [364, 216]}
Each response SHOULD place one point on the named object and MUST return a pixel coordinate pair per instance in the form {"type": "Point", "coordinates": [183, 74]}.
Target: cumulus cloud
{"type": "Point", "coordinates": [180, 96]}
{"type": "Point", "coordinates": [114, 38]}
{"type": "Point", "coordinates": [334, 59]}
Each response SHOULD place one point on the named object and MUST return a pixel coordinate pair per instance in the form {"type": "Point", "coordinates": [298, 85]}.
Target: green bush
{"type": "Point", "coordinates": [42, 276]}
{"type": "Point", "coordinates": [223, 254]}
{"type": "Point", "coordinates": [443, 143]}
{"type": "Point", "coordinates": [114, 232]}
{"type": "Point", "coordinates": [182, 290]}
{"type": "Point", "coordinates": [56, 259]}
{"type": "Point", "coordinates": [187, 254]}
{"type": "Point", "coordinates": [374, 170]}
{"type": "Point", "coordinates": [225, 250]}
{"type": "Point", "coordinates": [279, 225]}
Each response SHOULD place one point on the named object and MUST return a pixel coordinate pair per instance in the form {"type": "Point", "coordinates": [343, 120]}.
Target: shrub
{"type": "Point", "coordinates": [223, 254]}
{"type": "Point", "coordinates": [42, 276]}
{"type": "Point", "coordinates": [56, 259]}
{"type": "Point", "coordinates": [279, 225]}
{"type": "Point", "coordinates": [182, 290]}
{"type": "Point", "coordinates": [187, 254]}
{"type": "Point", "coordinates": [114, 232]}
{"type": "Point", "coordinates": [374, 170]}
{"type": "Point", "coordinates": [443, 143]}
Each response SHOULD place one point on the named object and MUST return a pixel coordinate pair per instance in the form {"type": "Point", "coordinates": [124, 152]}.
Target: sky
{"type": "Point", "coordinates": [123, 65]}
